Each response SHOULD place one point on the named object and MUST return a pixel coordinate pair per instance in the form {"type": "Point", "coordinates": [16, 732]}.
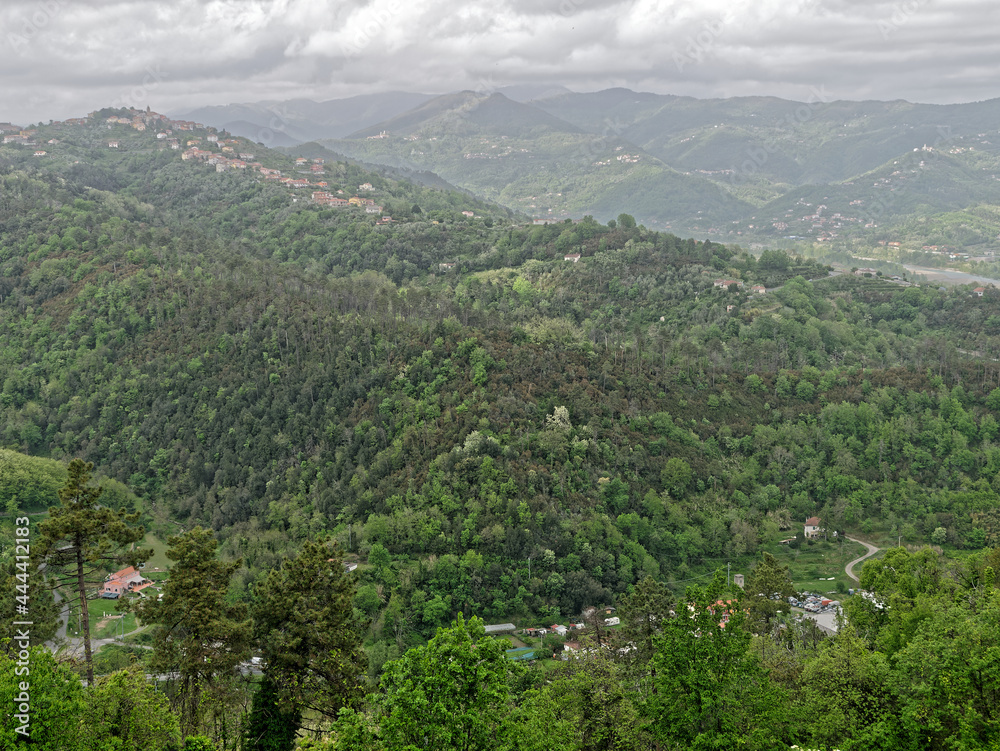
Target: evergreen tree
{"type": "Point", "coordinates": [269, 727]}
{"type": "Point", "coordinates": [198, 635]}
{"type": "Point", "coordinates": [81, 540]}
{"type": "Point", "coordinates": [304, 625]}
{"type": "Point", "coordinates": [768, 579]}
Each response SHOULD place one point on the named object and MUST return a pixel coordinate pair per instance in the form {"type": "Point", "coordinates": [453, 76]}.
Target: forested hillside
{"type": "Point", "coordinates": [485, 424]}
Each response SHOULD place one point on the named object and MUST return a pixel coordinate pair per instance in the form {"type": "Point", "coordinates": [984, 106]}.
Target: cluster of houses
{"type": "Point", "coordinates": [139, 120]}
{"type": "Point", "coordinates": [18, 136]}
{"type": "Point", "coordinates": [825, 227]}
{"type": "Point", "coordinates": [227, 158]}
{"type": "Point", "coordinates": [326, 198]}
{"type": "Point", "coordinates": [555, 628]}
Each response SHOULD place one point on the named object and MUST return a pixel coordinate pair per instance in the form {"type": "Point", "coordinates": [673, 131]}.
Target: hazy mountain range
{"type": "Point", "coordinates": [746, 167]}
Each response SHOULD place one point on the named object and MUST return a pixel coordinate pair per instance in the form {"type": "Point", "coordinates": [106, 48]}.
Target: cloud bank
{"type": "Point", "coordinates": [60, 58]}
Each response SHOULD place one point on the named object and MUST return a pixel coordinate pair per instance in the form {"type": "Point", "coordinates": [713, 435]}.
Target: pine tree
{"type": "Point", "coordinates": [269, 727]}
{"type": "Point", "coordinates": [199, 636]}
{"type": "Point", "coordinates": [309, 640]}
{"type": "Point", "coordinates": [81, 540]}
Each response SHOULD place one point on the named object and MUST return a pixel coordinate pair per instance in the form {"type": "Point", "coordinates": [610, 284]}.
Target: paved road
{"type": "Point", "coordinates": [872, 550]}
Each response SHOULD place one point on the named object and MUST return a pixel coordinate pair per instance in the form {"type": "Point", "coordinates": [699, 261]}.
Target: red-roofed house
{"type": "Point", "coordinates": [122, 582]}
{"type": "Point", "coordinates": [978, 291]}
{"type": "Point", "coordinates": [812, 528]}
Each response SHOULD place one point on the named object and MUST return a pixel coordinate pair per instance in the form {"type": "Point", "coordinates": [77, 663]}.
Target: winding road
{"type": "Point", "coordinates": [872, 550]}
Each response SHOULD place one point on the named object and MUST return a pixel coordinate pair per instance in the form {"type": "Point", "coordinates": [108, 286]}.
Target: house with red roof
{"type": "Point", "coordinates": [122, 582]}
{"type": "Point", "coordinates": [812, 528]}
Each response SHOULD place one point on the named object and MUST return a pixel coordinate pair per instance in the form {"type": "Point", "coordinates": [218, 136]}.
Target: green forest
{"type": "Point", "coordinates": [271, 392]}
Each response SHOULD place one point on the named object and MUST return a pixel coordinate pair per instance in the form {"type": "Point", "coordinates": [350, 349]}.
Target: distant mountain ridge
{"type": "Point", "coordinates": [730, 169]}
{"type": "Point", "coordinates": [300, 120]}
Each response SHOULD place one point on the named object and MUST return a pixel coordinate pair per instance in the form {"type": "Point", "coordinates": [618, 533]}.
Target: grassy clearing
{"type": "Point", "coordinates": [514, 641]}
{"type": "Point", "coordinates": [819, 567]}
{"type": "Point", "coordinates": [159, 561]}
{"type": "Point", "coordinates": [105, 621]}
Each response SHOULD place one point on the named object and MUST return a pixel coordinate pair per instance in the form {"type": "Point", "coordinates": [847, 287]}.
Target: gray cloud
{"type": "Point", "coordinates": [60, 58]}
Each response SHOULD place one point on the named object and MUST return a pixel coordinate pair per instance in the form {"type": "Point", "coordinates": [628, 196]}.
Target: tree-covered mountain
{"type": "Point", "coordinates": [490, 417]}
{"type": "Point", "coordinates": [725, 168]}
{"type": "Point", "coordinates": [284, 123]}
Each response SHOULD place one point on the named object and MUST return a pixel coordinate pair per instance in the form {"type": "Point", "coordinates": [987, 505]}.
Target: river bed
{"type": "Point", "coordinates": [949, 277]}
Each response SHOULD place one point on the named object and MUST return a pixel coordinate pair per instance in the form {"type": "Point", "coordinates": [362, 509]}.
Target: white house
{"type": "Point", "coordinates": [812, 528]}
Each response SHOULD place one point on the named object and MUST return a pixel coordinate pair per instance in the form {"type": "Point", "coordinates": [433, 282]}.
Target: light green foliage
{"type": "Point", "coordinates": [676, 477]}
{"type": "Point", "coordinates": [455, 693]}
{"type": "Point", "coordinates": [710, 692]}
{"type": "Point", "coordinates": [126, 712]}
{"type": "Point", "coordinates": [56, 703]}
{"type": "Point", "coordinates": [845, 694]}
{"type": "Point", "coordinates": [199, 743]}
{"type": "Point", "coordinates": [948, 676]}
{"type": "Point", "coordinates": [29, 483]}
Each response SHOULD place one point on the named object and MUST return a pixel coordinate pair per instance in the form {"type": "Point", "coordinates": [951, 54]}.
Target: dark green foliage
{"type": "Point", "coordinates": [269, 727]}
{"type": "Point", "coordinates": [307, 634]}
{"type": "Point", "coordinates": [767, 588]}
{"type": "Point", "coordinates": [518, 437]}
{"type": "Point", "coordinates": [199, 636]}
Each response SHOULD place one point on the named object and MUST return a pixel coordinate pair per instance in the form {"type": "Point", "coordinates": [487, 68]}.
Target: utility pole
{"type": "Point", "coordinates": [727, 574]}
{"type": "Point", "coordinates": [529, 569]}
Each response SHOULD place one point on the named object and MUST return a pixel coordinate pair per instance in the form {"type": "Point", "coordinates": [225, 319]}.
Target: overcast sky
{"type": "Point", "coordinates": [62, 58]}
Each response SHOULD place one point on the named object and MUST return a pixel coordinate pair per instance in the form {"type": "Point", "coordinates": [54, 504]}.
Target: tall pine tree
{"type": "Point", "coordinates": [304, 624]}
{"type": "Point", "coordinates": [199, 636]}
{"type": "Point", "coordinates": [82, 540]}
